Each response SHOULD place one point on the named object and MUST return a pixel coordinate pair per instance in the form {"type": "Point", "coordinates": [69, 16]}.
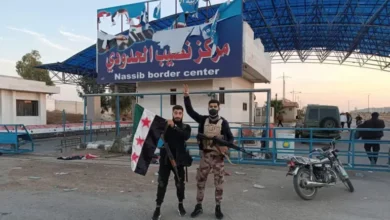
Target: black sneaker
{"type": "Point", "coordinates": [156, 214]}
{"type": "Point", "coordinates": [197, 211]}
{"type": "Point", "coordinates": [218, 213]}
{"type": "Point", "coordinates": [182, 211]}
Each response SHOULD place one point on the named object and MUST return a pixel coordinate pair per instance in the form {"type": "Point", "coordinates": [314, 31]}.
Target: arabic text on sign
{"type": "Point", "coordinates": [166, 58]}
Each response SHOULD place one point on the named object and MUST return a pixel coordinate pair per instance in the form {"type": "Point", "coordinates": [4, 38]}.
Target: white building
{"type": "Point", "coordinates": [290, 110]}
{"type": "Point", "coordinates": [234, 106]}
{"type": "Point", "coordinates": [23, 101]}
{"type": "Point", "coordinates": [231, 103]}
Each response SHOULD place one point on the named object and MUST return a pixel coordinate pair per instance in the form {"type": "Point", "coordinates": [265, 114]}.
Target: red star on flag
{"type": "Point", "coordinates": [140, 141]}
{"type": "Point", "coordinates": [146, 122]}
{"type": "Point", "coordinates": [134, 157]}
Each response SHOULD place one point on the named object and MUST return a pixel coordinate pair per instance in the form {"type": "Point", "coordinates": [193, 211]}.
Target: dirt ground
{"type": "Point", "coordinates": [45, 172]}
{"type": "Point", "coordinates": [38, 186]}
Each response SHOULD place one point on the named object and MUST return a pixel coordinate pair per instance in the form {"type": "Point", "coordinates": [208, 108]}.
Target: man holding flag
{"type": "Point", "coordinates": [147, 130]}
{"type": "Point", "coordinates": [212, 157]}
{"type": "Point", "coordinates": [175, 137]}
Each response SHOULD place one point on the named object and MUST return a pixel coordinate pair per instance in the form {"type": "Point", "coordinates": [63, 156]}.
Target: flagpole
{"type": "Point", "coordinates": [175, 14]}
{"type": "Point", "coordinates": [121, 23]}
{"type": "Point", "coordinates": [208, 4]}
{"type": "Point", "coordinates": [147, 11]}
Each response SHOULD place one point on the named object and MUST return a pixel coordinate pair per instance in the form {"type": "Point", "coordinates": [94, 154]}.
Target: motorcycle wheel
{"type": "Point", "coordinates": [348, 184]}
{"type": "Point", "coordinates": [304, 193]}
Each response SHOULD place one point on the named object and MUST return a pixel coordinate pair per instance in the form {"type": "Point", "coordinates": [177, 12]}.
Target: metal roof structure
{"type": "Point", "coordinates": [348, 32]}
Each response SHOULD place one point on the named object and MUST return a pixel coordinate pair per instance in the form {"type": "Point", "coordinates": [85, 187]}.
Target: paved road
{"type": "Point", "coordinates": [276, 201]}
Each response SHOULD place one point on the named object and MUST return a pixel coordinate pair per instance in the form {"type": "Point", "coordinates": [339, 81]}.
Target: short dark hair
{"type": "Point", "coordinates": [177, 107]}
{"type": "Point", "coordinates": [214, 101]}
{"type": "Point", "coordinates": [375, 115]}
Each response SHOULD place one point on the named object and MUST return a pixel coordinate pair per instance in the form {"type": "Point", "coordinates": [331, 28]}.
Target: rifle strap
{"type": "Point", "coordinates": [224, 154]}
{"type": "Point", "coordinates": [228, 159]}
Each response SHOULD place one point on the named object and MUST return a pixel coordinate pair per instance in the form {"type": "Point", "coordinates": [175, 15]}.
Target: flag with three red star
{"type": "Point", "coordinates": [147, 130]}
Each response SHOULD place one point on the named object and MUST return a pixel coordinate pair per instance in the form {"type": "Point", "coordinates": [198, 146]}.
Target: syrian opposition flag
{"type": "Point", "coordinates": [148, 128]}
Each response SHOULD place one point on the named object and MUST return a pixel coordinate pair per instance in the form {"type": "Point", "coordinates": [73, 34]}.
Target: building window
{"type": "Point", "coordinates": [221, 96]}
{"type": "Point", "coordinates": [290, 109]}
{"type": "Point", "coordinates": [173, 97]}
{"type": "Point", "coordinates": [26, 108]}
{"type": "Point", "coordinates": [244, 106]}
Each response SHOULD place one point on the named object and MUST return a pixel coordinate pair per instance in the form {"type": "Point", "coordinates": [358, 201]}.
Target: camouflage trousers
{"type": "Point", "coordinates": [210, 161]}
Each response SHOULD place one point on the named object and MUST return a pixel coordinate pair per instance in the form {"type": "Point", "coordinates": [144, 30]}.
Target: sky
{"type": "Point", "coordinates": [59, 29]}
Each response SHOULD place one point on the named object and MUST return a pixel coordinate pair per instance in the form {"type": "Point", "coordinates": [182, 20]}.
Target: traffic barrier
{"type": "Point", "coordinates": [13, 138]}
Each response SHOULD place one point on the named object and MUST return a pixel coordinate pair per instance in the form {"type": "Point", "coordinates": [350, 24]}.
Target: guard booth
{"type": "Point", "coordinates": [261, 116]}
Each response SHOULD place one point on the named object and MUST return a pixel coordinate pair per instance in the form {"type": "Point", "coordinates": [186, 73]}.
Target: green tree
{"type": "Point", "coordinates": [88, 85]}
{"type": "Point", "coordinates": [26, 68]}
{"type": "Point", "coordinates": [277, 105]}
{"type": "Point", "coordinates": [125, 102]}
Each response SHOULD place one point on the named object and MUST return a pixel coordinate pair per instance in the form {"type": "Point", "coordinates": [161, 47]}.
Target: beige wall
{"type": "Point", "coordinates": [8, 108]}
{"type": "Point", "coordinates": [238, 100]}
{"type": "Point", "coordinates": [290, 114]}
{"type": "Point", "coordinates": [73, 107]}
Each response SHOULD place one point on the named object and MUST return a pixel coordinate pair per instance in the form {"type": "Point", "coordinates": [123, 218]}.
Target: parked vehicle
{"type": "Point", "coordinates": [324, 171]}
{"type": "Point", "coordinates": [319, 116]}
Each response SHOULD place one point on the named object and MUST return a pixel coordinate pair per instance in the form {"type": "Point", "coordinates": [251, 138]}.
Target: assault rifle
{"type": "Point", "coordinates": [220, 142]}
{"type": "Point", "coordinates": [170, 156]}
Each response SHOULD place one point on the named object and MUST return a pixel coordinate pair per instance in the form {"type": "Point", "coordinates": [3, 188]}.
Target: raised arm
{"type": "Point", "coordinates": [187, 104]}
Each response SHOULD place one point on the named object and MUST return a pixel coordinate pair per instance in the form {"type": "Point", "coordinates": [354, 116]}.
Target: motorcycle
{"type": "Point", "coordinates": [324, 171]}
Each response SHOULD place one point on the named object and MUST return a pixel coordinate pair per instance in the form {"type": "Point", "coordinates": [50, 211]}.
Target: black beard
{"type": "Point", "coordinates": [176, 120]}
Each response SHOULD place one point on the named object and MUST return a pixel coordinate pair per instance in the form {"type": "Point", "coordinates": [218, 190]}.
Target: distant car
{"type": "Point", "coordinates": [319, 116]}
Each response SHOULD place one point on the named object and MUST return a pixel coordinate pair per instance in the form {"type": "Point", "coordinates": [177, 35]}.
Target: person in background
{"type": "Point", "coordinates": [376, 123]}
{"type": "Point", "coordinates": [280, 119]}
{"type": "Point", "coordinates": [212, 157]}
{"type": "Point", "coordinates": [349, 119]}
{"type": "Point", "coordinates": [176, 136]}
{"type": "Point", "coordinates": [359, 120]}
{"type": "Point", "coordinates": [343, 119]}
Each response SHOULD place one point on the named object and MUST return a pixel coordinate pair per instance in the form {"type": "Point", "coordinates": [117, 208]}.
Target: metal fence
{"type": "Point", "coordinates": [284, 143]}
{"type": "Point", "coordinates": [269, 150]}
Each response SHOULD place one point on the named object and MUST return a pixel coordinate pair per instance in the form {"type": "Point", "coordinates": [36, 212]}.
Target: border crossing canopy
{"type": "Point", "coordinates": [348, 32]}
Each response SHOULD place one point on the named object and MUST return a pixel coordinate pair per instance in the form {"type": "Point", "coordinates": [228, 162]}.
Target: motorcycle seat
{"type": "Point", "coordinates": [314, 161]}
{"type": "Point", "coordinates": [307, 160]}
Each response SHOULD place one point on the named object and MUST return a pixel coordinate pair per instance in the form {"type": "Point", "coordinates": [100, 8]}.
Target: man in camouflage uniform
{"type": "Point", "coordinates": [212, 157]}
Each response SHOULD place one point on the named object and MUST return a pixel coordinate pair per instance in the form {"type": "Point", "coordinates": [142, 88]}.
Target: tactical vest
{"type": "Point", "coordinates": [211, 130]}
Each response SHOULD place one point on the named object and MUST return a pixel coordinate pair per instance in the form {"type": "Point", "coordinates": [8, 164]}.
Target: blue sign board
{"type": "Point", "coordinates": [177, 54]}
